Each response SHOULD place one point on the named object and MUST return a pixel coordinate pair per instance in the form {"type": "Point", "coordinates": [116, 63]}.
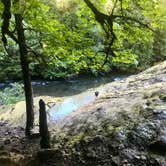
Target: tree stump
{"type": "Point", "coordinates": [43, 127]}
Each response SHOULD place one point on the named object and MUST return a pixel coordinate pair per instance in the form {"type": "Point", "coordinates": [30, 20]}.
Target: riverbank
{"type": "Point", "coordinates": [125, 125]}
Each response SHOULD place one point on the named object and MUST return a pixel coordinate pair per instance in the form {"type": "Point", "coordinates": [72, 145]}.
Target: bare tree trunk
{"type": "Point", "coordinates": [43, 127]}
{"type": "Point", "coordinates": [26, 75]}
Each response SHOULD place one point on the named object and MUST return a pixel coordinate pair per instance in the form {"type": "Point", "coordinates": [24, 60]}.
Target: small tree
{"type": "Point", "coordinates": [19, 38]}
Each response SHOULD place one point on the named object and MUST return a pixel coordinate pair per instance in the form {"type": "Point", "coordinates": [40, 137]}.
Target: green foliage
{"type": "Point", "coordinates": [69, 41]}
{"type": "Point", "coordinates": [159, 45]}
{"type": "Point", "coordinates": [9, 65]}
{"type": "Point", "coordinates": [13, 94]}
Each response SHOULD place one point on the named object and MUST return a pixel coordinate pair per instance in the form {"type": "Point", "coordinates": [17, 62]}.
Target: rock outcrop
{"type": "Point", "coordinates": [124, 126]}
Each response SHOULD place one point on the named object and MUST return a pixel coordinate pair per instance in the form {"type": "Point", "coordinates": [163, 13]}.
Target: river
{"type": "Point", "coordinates": [71, 94]}
{"type": "Point", "coordinates": [71, 87]}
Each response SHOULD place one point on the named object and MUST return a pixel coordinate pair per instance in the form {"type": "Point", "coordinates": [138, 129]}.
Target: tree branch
{"type": "Point", "coordinates": [106, 21]}
{"type": "Point", "coordinates": [37, 55]}
{"type": "Point", "coordinates": [127, 18]}
{"type": "Point", "coordinates": [115, 3]}
{"type": "Point", "coordinates": [99, 16]}
{"type": "Point", "coordinates": [6, 15]}
{"type": "Point", "coordinates": [121, 6]}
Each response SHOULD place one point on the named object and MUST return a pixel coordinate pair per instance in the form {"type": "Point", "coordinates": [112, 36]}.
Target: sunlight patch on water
{"type": "Point", "coordinates": [69, 105]}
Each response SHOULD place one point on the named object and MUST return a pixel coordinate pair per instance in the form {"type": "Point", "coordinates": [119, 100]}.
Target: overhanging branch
{"type": "Point", "coordinates": [106, 21]}
{"type": "Point", "coordinates": [127, 18]}
{"type": "Point", "coordinates": [6, 16]}
{"type": "Point", "coordinates": [99, 16]}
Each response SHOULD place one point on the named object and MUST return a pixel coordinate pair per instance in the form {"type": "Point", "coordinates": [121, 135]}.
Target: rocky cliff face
{"type": "Point", "coordinates": [124, 126]}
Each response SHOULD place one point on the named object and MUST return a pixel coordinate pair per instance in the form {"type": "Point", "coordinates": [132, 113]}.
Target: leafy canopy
{"type": "Point", "coordinates": [65, 37]}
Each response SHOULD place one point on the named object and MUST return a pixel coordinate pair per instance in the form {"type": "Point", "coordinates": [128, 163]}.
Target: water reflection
{"type": "Point", "coordinates": [70, 104]}
{"type": "Point", "coordinates": [61, 110]}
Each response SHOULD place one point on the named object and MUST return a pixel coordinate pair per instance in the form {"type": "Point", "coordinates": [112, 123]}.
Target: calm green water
{"type": "Point", "coordinates": [69, 88]}
{"type": "Point", "coordinates": [73, 93]}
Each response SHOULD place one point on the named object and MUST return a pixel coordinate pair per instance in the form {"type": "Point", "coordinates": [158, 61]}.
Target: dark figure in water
{"type": "Point", "coordinates": [97, 93]}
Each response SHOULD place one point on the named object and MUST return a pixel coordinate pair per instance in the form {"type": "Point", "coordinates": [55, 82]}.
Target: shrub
{"type": "Point", "coordinates": [12, 94]}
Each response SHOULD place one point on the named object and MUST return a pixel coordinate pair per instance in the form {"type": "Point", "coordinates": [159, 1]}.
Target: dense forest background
{"type": "Point", "coordinates": [67, 37]}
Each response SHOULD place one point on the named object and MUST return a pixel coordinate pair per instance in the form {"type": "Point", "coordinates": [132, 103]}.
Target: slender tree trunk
{"type": "Point", "coordinates": [26, 75]}
{"type": "Point", "coordinates": [43, 127]}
